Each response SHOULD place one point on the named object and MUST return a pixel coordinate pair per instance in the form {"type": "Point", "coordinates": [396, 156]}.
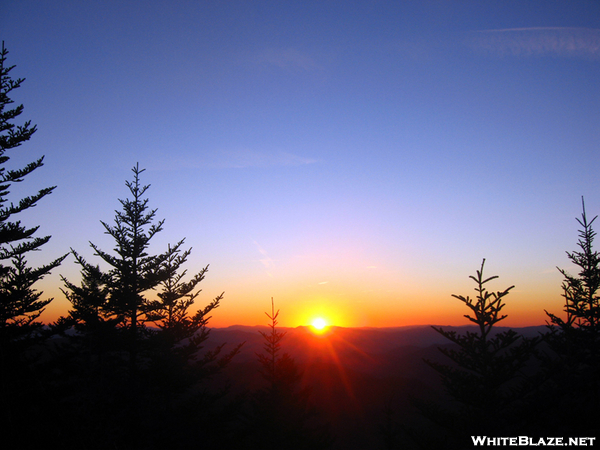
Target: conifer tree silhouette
{"type": "Point", "coordinates": [581, 292]}
{"type": "Point", "coordinates": [108, 314]}
{"type": "Point", "coordinates": [573, 367]}
{"type": "Point", "coordinates": [20, 304]}
{"type": "Point", "coordinates": [283, 417]}
{"type": "Point", "coordinates": [483, 379]}
{"type": "Point", "coordinates": [128, 366]}
{"type": "Point", "coordinates": [171, 311]}
{"type": "Point", "coordinates": [22, 382]}
{"type": "Point", "coordinates": [178, 365]}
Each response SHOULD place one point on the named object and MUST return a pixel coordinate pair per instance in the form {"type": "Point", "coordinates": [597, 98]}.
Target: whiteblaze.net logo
{"type": "Point", "coordinates": [526, 441]}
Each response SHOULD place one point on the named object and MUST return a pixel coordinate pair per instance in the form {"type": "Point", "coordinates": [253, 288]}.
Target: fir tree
{"type": "Point", "coordinates": [182, 376]}
{"type": "Point", "coordinates": [282, 415]}
{"type": "Point", "coordinates": [182, 334]}
{"type": "Point", "coordinates": [89, 301]}
{"type": "Point", "coordinates": [116, 298]}
{"type": "Point", "coordinates": [20, 304]}
{"type": "Point", "coordinates": [144, 384]}
{"type": "Point", "coordinates": [133, 271]}
{"type": "Point", "coordinates": [573, 366]}
{"type": "Point", "coordinates": [22, 382]}
{"type": "Point", "coordinates": [581, 292]}
{"type": "Point", "coordinates": [171, 311]}
{"type": "Point", "coordinates": [110, 346]}
{"type": "Point", "coordinates": [484, 377]}
{"type": "Point", "coordinates": [96, 334]}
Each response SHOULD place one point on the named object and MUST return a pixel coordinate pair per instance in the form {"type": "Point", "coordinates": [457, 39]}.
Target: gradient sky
{"type": "Point", "coordinates": [352, 159]}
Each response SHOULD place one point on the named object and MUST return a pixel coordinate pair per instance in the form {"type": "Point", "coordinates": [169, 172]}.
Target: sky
{"type": "Point", "coordinates": [355, 160]}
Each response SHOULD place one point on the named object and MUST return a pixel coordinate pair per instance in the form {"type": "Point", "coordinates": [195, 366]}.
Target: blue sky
{"type": "Point", "coordinates": [350, 159]}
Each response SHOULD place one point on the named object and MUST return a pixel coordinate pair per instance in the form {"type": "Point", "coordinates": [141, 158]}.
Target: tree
{"type": "Point", "coordinates": [182, 335]}
{"type": "Point", "coordinates": [581, 292]}
{"type": "Point", "coordinates": [96, 344]}
{"type": "Point", "coordinates": [110, 346]}
{"type": "Point", "coordinates": [573, 367]}
{"type": "Point", "coordinates": [120, 369]}
{"type": "Point", "coordinates": [171, 311]}
{"type": "Point", "coordinates": [20, 304]}
{"type": "Point", "coordinates": [21, 380]}
{"type": "Point", "coordinates": [483, 379]}
{"type": "Point", "coordinates": [133, 270]}
{"type": "Point", "coordinates": [270, 359]}
{"type": "Point", "coordinates": [282, 416]}
{"type": "Point", "coordinates": [117, 298]}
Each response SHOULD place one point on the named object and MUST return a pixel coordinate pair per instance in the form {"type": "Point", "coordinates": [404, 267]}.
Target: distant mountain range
{"type": "Point", "coordinates": [354, 373]}
{"type": "Point", "coordinates": [375, 341]}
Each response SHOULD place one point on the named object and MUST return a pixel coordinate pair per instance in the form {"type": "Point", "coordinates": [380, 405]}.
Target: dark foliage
{"type": "Point", "coordinates": [282, 416]}
{"type": "Point", "coordinates": [20, 304]}
{"type": "Point", "coordinates": [21, 361]}
{"type": "Point", "coordinates": [484, 381]}
{"type": "Point", "coordinates": [572, 367]}
{"type": "Point", "coordinates": [127, 384]}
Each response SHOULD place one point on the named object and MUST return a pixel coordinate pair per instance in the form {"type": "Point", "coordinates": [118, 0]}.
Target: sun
{"type": "Point", "coordinates": [319, 324]}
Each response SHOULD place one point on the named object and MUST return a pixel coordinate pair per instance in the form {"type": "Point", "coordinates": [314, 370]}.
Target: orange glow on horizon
{"type": "Point", "coordinates": [524, 308]}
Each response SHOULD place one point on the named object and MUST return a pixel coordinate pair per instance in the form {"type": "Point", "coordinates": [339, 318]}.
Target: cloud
{"type": "Point", "coordinates": [230, 159]}
{"type": "Point", "coordinates": [287, 59]}
{"type": "Point", "coordinates": [323, 282]}
{"type": "Point", "coordinates": [266, 259]}
{"type": "Point", "coordinates": [240, 159]}
{"type": "Point", "coordinates": [556, 41]}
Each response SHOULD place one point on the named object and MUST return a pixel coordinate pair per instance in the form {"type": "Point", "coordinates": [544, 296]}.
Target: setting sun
{"type": "Point", "coordinates": [319, 324]}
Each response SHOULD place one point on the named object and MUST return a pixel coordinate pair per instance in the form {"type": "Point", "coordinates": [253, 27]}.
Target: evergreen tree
{"type": "Point", "coordinates": [484, 377]}
{"type": "Point", "coordinates": [20, 304]}
{"type": "Point", "coordinates": [133, 271]}
{"type": "Point", "coordinates": [581, 292]}
{"type": "Point", "coordinates": [22, 381]}
{"type": "Point", "coordinates": [181, 376]}
{"type": "Point", "coordinates": [171, 311]}
{"type": "Point", "coordinates": [90, 312]}
{"type": "Point", "coordinates": [95, 342]}
{"type": "Point", "coordinates": [144, 384]}
{"type": "Point", "coordinates": [182, 335]}
{"type": "Point", "coordinates": [282, 415]}
{"type": "Point", "coordinates": [104, 365]}
{"type": "Point", "coordinates": [573, 366]}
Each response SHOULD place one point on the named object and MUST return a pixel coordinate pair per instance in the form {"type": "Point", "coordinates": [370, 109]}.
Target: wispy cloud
{"type": "Point", "coordinates": [287, 59]}
{"type": "Point", "coordinates": [244, 158]}
{"type": "Point", "coordinates": [266, 259]}
{"type": "Point", "coordinates": [240, 159]}
{"type": "Point", "coordinates": [323, 282]}
{"type": "Point", "coordinates": [556, 41]}
{"type": "Point", "coordinates": [232, 159]}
